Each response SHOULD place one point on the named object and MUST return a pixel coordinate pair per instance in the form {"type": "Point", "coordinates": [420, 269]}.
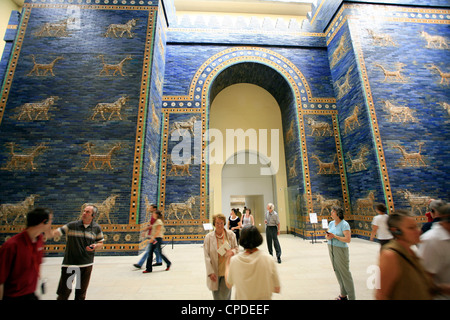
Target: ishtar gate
{"type": "Point", "coordinates": [125, 103]}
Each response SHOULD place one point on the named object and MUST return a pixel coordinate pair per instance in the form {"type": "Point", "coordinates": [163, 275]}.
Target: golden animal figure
{"type": "Point", "coordinates": [326, 204]}
{"type": "Point", "coordinates": [437, 42]}
{"type": "Point", "coordinates": [186, 125]}
{"type": "Point", "coordinates": [445, 76]}
{"type": "Point", "coordinates": [184, 208]}
{"type": "Point", "coordinates": [105, 159]}
{"type": "Point", "coordinates": [104, 208]}
{"type": "Point", "coordinates": [398, 113]}
{"type": "Point", "coordinates": [412, 159]}
{"type": "Point", "coordinates": [290, 133]}
{"type": "Point", "coordinates": [155, 118]}
{"type": "Point", "coordinates": [446, 106]}
{"type": "Point", "coordinates": [37, 108]}
{"type": "Point", "coordinates": [55, 29]}
{"type": "Point", "coordinates": [45, 68]}
{"type": "Point", "coordinates": [17, 209]}
{"type": "Point", "coordinates": [416, 201]}
{"type": "Point", "coordinates": [21, 161]}
{"type": "Point", "coordinates": [358, 164]}
{"type": "Point", "coordinates": [326, 167]}
{"type": "Point", "coordinates": [183, 168]}
{"type": "Point", "coordinates": [293, 169]}
{"type": "Point", "coordinates": [321, 128]}
{"type": "Point", "coordinates": [344, 85]}
{"type": "Point", "coordinates": [366, 204]}
{"type": "Point", "coordinates": [381, 39]}
{"type": "Point", "coordinates": [395, 76]}
{"type": "Point", "coordinates": [114, 108]}
{"type": "Point", "coordinates": [351, 122]}
{"type": "Point", "coordinates": [113, 29]}
{"type": "Point", "coordinates": [341, 49]}
{"type": "Point", "coordinates": [113, 67]}
{"type": "Point", "coordinates": [152, 166]}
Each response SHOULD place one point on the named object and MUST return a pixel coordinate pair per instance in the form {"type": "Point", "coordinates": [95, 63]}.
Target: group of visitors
{"type": "Point", "coordinates": [405, 273]}
{"type": "Point", "coordinates": [414, 263]}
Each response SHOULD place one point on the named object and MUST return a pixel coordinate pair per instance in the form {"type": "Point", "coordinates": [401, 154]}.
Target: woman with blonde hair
{"type": "Point", "coordinates": [219, 245]}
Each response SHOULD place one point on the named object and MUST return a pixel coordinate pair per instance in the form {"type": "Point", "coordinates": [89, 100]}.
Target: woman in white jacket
{"type": "Point", "coordinates": [253, 272]}
{"type": "Point", "coordinates": [219, 246]}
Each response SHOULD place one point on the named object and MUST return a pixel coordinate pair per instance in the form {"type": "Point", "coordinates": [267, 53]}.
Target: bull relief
{"type": "Point", "coordinates": [117, 30]}
{"type": "Point", "coordinates": [365, 205]}
{"type": "Point", "coordinates": [446, 106]}
{"type": "Point", "coordinates": [182, 168]}
{"type": "Point", "coordinates": [351, 122]}
{"type": "Point", "coordinates": [434, 41]}
{"type": "Point", "coordinates": [182, 208]}
{"type": "Point", "coordinates": [17, 210]}
{"type": "Point", "coordinates": [326, 204]}
{"type": "Point", "coordinates": [112, 108]}
{"type": "Point", "coordinates": [55, 29]}
{"type": "Point", "coordinates": [104, 208]}
{"type": "Point", "coordinates": [381, 39]}
{"type": "Point", "coordinates": [398, 113]}
{"type": "Point", "coordinates": [341, 50]}
{"type": "Point", "coordinates": [34, 110]}
{"type": "Point", "coordinates": [321, 128]}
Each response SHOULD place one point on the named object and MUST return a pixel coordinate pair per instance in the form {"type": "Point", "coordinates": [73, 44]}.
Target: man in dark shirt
{"type": "Point", "coordinates": [21, 257]}
{"type": "Point", "coordinates": [83, 238]}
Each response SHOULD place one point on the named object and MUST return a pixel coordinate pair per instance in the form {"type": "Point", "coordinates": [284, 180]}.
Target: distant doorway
{"type": "Point", "coordinates": [244, 186]}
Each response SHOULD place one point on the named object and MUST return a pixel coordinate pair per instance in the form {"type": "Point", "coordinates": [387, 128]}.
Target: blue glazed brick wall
{"type": "Point", "coordinates": [63, 178]}
{"type": "Point", "coordinates": [305, 70]}
{"type": "Point", "coordinates": [395, 41]}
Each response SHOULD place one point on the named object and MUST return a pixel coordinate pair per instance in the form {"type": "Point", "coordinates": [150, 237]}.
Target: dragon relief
{"type": "Point", "coordinates": [105, 158]}
{"type": "Point", "coordinates": [20, 161]}
{"type": "Point", "coordinates": [411, 159]}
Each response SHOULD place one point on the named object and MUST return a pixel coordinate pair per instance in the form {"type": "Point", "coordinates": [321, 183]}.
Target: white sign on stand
{"type": "Point", "coordinates": [313, 217]}
{"type": "Point", "coordinates": [324, 224]}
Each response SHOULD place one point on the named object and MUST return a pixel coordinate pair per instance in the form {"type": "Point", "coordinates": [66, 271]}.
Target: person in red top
{"type": "Point", "coordinates": [21, 257]}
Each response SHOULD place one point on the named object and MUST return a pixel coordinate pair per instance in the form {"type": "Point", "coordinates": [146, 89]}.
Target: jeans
{"type": "Point", "coordinates": [147, 251]}
{"type": "Point", "coordinates": [153, 248]}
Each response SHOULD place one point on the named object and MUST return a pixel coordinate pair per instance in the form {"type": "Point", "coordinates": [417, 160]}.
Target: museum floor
{"type": "Point", "coordinates": [305, 272]}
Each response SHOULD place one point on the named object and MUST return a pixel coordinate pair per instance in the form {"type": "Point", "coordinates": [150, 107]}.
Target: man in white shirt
{"type": "Point", "coordinates": [434, 249]}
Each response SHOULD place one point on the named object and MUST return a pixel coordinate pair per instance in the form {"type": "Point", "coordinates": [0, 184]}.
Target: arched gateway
{"type": "Point", "coordinates": [284, 81]}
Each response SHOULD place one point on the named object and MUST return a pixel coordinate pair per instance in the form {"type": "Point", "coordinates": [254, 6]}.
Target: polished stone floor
{"type": "Point", "coordinates": [306, 273]}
